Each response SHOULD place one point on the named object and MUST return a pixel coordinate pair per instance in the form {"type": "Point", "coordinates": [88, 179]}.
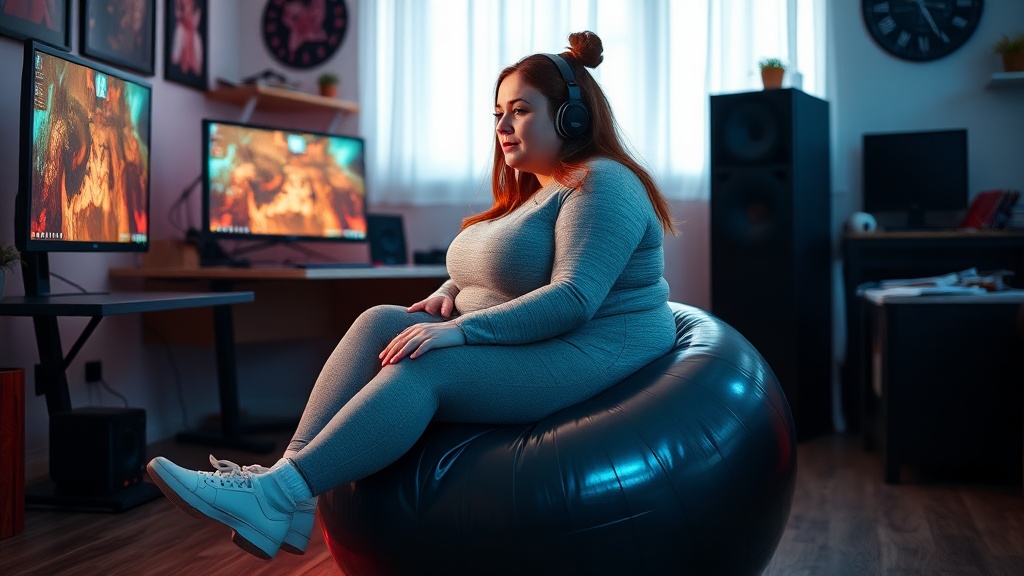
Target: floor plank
{"type": "Point", "coordinates": [155, 539]}
{"type": "Point", "coordinates": [844, 520]}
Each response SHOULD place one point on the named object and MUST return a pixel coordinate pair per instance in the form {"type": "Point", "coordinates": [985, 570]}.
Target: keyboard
{"type": "Point", "coordinates": [329, 265]}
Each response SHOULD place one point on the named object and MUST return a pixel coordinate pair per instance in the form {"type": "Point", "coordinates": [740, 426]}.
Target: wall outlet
{"type": "Point", "coordinates": [93, 371]}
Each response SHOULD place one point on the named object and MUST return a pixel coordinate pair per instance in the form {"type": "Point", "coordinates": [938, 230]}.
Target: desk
{"type": "Point", "coordinates": [887, 255]}
{"type": "Point", "coordinates": [947, 381]}
{"type": "Point", "coordinates": [51, 378]}
{"type": "Point", "coordinates": [291, 304]}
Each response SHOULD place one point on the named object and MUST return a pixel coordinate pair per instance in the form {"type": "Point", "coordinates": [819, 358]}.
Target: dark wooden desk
{"type": "Point", "coordinates": [945, 382]}
{"type": "Point", "coordinates": [290, 304]}
{"type": "Point", "coordinates": [887, 255]}
{"type": "Point", "coordinates": [51, 377]}
{"type": "Point", "coordinates": [46, 309]}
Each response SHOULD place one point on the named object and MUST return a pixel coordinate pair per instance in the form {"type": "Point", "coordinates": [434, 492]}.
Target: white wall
{"type": "Point", "coordinates": [874, 92]}
{"type": "Point", "coordinates": [870, 91]}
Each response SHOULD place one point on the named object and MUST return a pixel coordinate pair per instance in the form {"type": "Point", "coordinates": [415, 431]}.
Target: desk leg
{"type": "Point", "coordinates": [227, 380]}
{"type": "Point", "coordinates": [52, 382]}
{"type": "Point", "coordinates": [51, 379]}
{"type": "Point", "coordinates": [868, 422]}
{"type": "Point", "coordinates": [891, 429]}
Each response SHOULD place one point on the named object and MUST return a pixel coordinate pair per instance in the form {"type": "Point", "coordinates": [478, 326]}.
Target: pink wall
{"type": "Point", "coordinates": [273, 379]}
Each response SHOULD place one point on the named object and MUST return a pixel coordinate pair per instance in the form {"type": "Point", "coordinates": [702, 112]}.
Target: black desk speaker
{"type": "Point", "coordinates": [387, 239]}
{"type": "Point", "coordinates": [97, 450]}
{"type": "Point", "coordinates": [771, 239]}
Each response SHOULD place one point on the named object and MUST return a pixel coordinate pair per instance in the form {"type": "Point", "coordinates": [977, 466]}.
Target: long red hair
{"type": "Point", "coordinates": [601, 139]}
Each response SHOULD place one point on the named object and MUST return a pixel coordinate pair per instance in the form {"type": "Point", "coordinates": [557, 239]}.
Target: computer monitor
{"type": "Point", "coordinates": [282, 185]}
{"type": "Point", "coordinates": [915, 173]}
{"type": "Point", "coordinates": [84, 172]}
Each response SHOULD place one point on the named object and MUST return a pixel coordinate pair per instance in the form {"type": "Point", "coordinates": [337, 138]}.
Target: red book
{"type": "Point", "coordinates": [1005, 207]}
{"type": "Point", "coordinates": [983, 209]}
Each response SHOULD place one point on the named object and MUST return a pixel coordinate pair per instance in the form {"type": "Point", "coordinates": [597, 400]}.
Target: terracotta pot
{"type": "Point", "coordinates": [1013, 61]}
{"type": "Point", "coordinates": [329, 90]}
{"type": "Point", "coordinates": [772, 77]}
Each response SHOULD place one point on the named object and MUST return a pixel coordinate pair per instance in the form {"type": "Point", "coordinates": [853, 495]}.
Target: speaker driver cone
{"type": "Point", "coordinates": [751, 132]}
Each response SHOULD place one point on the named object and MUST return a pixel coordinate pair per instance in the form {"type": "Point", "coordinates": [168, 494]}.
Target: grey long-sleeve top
{"type": "Point", "coordinates": [565, 257]}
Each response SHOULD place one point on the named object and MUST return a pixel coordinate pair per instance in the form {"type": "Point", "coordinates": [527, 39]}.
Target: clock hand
{"type": "Point", "coordinates": [928, 17]}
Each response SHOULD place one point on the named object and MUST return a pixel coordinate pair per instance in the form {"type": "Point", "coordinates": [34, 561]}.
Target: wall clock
{"type": "Point", "coordinates": [921, 30]}
{"type": "Point", "coordinates": [304, 33]}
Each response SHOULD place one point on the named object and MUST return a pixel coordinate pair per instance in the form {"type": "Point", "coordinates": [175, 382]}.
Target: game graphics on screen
{"type": "Point", "coordinates": [90, 157]}
{"type": "Point", "coordinates": [281, 183]}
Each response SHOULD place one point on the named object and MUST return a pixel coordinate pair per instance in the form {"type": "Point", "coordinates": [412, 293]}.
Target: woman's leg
{"type": "Point", "coordinates": [351, 365]}
{"type": "Point", "coordinates": [485, 384]}
{"type": "Point", "coordinates": [384, 418]}
{"type": "Point", "coordinates": [284, 514]}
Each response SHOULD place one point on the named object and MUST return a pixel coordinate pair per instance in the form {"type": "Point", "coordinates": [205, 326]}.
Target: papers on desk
{"type": "Point", "coordinates": [951, 279]}
{"type": "Point", "coordinates": [944, 280]}
{"type": "Point", "coordinates": [965, 282]}
{"type": "Point", "coordinates": [878, 294]}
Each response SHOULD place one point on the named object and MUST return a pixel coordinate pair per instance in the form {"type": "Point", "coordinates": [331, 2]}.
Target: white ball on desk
{"type": "Point", "coordinates": [861, 223]}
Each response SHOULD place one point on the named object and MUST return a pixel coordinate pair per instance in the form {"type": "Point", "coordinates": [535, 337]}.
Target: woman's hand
{"type": "Point", "coordinates": [419, 339]}
{"type": "Point", "coordinates": [438, 305]}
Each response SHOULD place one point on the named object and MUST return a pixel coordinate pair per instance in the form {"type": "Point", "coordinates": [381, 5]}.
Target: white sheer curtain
{"type": "Point", "coordinates": [428, 70]}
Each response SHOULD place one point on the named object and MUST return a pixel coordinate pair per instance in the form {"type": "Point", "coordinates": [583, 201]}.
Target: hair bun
{"type": "Point", "coordinates": [586, 48]}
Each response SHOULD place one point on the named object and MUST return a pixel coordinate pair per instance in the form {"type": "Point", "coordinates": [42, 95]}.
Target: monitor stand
{"type": "Point", "coordinates": [210, 252]}
{"type": "Point", "coordinates": [915, 219]}
{"type": "Point", "coordinates": [915, 222]}
{"type": "Point", "coordinates": [36, 273]}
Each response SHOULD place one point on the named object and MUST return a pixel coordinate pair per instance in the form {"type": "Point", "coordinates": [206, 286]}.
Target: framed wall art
{"type": "Point", "coordinates": [48, 21]}
{"type": "Point", "coordinates": [119, 32]}
{"type": "Point", "coordinates": [185, 44]}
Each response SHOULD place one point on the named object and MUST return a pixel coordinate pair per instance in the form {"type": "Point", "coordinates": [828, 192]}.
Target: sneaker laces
{"type": "Point", "coordinates": [229, 472]}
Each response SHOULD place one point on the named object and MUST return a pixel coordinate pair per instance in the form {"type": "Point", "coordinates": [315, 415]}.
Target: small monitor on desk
{"type": "Point", "coordinates": [277, 185]}
{"type": "Point", "coordinates": [912, 175]}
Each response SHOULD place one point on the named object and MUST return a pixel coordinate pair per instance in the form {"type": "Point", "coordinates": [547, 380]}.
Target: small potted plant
{"type": "Point", "coordinates": [1011, 48]}
{"type": "Point", "coordinates": [772, 70]}
{"type": "Point", "coordinates": [328, 84]}
{"type": "Point", "coordinates": [8, 258]}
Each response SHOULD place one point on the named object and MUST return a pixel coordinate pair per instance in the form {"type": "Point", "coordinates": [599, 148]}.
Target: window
{"type": "Point", "coordinates": [428, 70]}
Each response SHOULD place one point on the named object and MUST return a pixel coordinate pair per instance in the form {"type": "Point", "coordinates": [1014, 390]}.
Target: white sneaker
{"type": "Point", "coordinates": [303, 517]}
{"type": "Point", "coordinates": [256, 508]}
{"type": "Point", "coordinates": [297, 539]}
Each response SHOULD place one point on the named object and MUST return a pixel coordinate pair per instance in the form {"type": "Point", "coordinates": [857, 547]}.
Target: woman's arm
{"type": "Point", "coordinates": [597, 230]}
{"type": "Point", "coordinates": [440, 303]}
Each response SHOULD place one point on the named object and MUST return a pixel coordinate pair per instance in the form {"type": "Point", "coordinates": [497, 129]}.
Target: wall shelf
{"type": "Point", "coordinates": [1007, 80]}
{"type": "Point", "coordinates": [281, 100]}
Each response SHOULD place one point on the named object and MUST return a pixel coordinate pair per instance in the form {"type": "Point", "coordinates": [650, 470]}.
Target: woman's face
{"type": "Point", "coordinates": [525, 129]}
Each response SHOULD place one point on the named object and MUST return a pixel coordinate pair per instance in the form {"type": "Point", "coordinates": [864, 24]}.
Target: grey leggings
{"type": "Point", "coordinates": [360, 418]}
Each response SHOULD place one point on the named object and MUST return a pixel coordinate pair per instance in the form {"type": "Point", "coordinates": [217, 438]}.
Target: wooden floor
{"type": "Point", "coordinates": [844, 520]}
{"type": "Point", "coordinates": [155, 539]}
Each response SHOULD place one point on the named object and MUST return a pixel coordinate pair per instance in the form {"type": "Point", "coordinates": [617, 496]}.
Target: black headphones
{"type": "Point", "coordinates": [572, 117]}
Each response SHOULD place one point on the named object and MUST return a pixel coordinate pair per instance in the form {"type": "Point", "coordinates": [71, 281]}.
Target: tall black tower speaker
{"type": "Point", "coordinates": [771, 239]}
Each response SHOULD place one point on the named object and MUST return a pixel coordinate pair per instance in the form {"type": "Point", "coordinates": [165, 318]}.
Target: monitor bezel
{"type": "Point", "coordinates": [875, 202]}
{"type": "Point", "coordinates": [23, 202]}
{"type": "Point", "coordinates": [205, 188]}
